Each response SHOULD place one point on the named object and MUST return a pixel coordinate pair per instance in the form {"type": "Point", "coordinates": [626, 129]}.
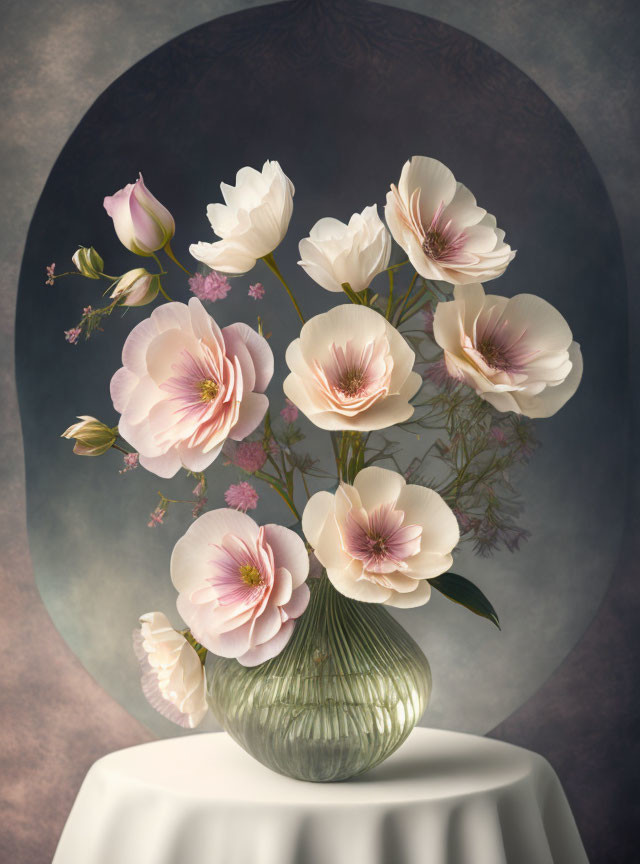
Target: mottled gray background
{"type": "Point", "coordinates": [58, 720]}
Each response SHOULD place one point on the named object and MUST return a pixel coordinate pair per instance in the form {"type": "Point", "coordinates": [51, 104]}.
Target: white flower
{"type": "Point", "coordinates": [439, 225]}
{"type": "Point", "coordinates": [173, 678]}
{"type": "Point", "coordinates": [518, 354]}
{"type": "Point", "coordinates": [252, 221]}
{"type": "Point", "coordinates": [380, 540]}
{"type": "Point", "coordinates": [335, 253]}
{"type": "Point", "coordinates": [350, 369]}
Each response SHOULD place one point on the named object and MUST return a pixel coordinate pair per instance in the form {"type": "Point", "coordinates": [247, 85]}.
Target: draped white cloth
{"type": "Point", "coordinates": [443, 798]}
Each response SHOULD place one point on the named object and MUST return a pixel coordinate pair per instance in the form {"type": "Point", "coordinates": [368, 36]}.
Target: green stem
{"type": "Point", "coordinates": [403, 302]}
{"type": "Point", "coordinates": [351, 294]}
{"type": "Point", "coordinates": [169, 253]}
{"type": "Point", "coordinates": [274, 484]}
{"type": "Point", "coordinates": [270, 261]}
{"type": "Point", "coordinates": [387, 314]}
{"type": "Point", "coordinates": [163, 292]}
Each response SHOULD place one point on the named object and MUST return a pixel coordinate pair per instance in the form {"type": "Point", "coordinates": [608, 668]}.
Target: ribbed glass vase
{"type": "Point", "coordinates": [342, 696]}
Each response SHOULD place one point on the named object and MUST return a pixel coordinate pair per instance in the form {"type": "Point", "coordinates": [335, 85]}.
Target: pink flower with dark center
{"type": "Point", "coordinates": [212, 287]}
{"type": "Point", "coordinates": [289, 413]}
{"type": "Point", "coordinates": [256, 292]}
{"type": "Point", "coordinates": [73, 335]}
{"type": "Point", "coordinates": [516, 353]}
{"type": "Point", "coordinates": [381, 539]}
{"type": "Point", "coordinates": [186, 386]}
{"type": "Point", "coordinates": [130, 463]}
{"type": "Point", "coordinates": [350, 369]}
{"type": "Point", "coordinates": [439, 225]}
{"type": "Point", "coordinates": [240, 586]}
{"type": "Point", "coordinates": [242, 496]}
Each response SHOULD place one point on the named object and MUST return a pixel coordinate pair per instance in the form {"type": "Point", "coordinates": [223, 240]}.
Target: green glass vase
{"type": "Point", "coordinates": [342, 696]}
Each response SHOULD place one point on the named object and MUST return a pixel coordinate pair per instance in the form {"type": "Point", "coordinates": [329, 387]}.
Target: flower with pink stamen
{"type": "Point", "coordinates": [381, 539]}
{"type": "Point", "coordinates": [242, 496]}
{"type": "Point", "coordinates": [350, 369]}
{"type": "Point", "coordinates": [240, 586]}
{"type": "Point", "coordinates": [130, 463]}
{"type": "Point", "coordinates": [518, 354]}
{"type": "Point", "coordinates": [441, 228]}
{"type": "Point", "coordinates": [186, 386]}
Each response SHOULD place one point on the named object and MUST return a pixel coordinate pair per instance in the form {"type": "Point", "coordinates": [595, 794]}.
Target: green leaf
{"type": "Point", "coordinates": [464, 592]}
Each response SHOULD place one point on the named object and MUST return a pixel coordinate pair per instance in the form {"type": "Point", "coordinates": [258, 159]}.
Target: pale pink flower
{"type": "Point", "coordinates": [240, 586]}
{"type": "Point", "coordinates": [186, 386]}
{"type": "Point", "coordinates": [214, 286]}
{"type": "Point", "coordinates": [130, 463]}
{"type": "Point", "coordinates": [87, 310]}
{"type": "Point", "coordinates": [248, 455]}
{"type": "Point", "coordinates": [289, 413]}
{"type": "Point", "coordinates": [173, 679]}
{"type": "Point", "coordinates": [242, 496]}
{"type": "Point", "coordinates": [51, 269]}
{"type": "Point", "coordinates": [350, 369]}
{"type": "Point", "coordinates": [516, 353]}
{"type": "Point", "coordinates": [441, 228]}
{"type": "Point", "coordinates": [73, 335]}
{"type": "Point", "coordinates": [256, 292]}
{"type": "Point", "coordinates": [141, 222]}
{"type": "Point", "coordinates": [380, 540]}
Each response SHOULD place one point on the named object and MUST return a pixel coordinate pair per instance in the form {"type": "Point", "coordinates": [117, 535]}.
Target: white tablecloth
{"type": "Point", "coordinates": [443, 798]}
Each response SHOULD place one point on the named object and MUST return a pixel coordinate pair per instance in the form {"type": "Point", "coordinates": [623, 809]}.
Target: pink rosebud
{"type": "Point", "coordinates": [289, 413]}
{"type": "Point", "coordinates": [242, 496]}
{"type": "Point", "coordinates": [141, 222]}
{"type": "Point", "coordinates": [256, 292]}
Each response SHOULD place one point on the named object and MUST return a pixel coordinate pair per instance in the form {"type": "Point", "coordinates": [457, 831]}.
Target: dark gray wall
{"type": "Point", "coordinates": [57, 720]}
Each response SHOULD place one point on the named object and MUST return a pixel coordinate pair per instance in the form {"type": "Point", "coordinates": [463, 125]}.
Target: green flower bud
{"type": "Point", "coordinates": [92, 437]}
{"type": "Point", "coordinates": [88, 262]}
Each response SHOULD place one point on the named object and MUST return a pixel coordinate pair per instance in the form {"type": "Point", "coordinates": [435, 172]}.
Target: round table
{"type": "Point", "coordinates": [442, 798]}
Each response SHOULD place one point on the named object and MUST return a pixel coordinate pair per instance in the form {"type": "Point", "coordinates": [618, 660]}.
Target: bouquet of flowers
{"type": "Point", "coordinates": [413, 343]}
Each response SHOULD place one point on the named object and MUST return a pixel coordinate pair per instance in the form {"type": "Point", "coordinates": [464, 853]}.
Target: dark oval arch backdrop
{"type": "Point", "coordinates": [341, 94]}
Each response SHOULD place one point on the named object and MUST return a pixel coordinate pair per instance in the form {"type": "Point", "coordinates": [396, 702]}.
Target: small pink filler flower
{"type": "Point", "coordinates": [242, 496]}
{"type": "Point", "coordinates": [51, 269]}
{"type": "Point", "coordinates": [240, 586]}
{"type": "Point", "coordinates": [211, 287]}
{"type": "Point", "coordinates": [256, 292]}
{"type": "Point", "coordinates": [72, 335]}
{"type": "Point", "coordinates": [289, 413]}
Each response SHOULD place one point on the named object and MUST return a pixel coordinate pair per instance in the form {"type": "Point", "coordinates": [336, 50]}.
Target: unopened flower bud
{"type": "Point", "coordinates": [137, 287]}
{"type": "Point", "coordinates": [88, 262]}
{"type": "Point", "coordinates": [92, 437]}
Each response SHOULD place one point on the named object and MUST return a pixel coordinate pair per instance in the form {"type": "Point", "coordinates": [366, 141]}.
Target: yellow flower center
{"type": "Point", "coordinates": [351, 382]}
{"type": "Point", "coordinates": [208, 390]}
{"type": "Point", "coordinates": [250, 574]}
